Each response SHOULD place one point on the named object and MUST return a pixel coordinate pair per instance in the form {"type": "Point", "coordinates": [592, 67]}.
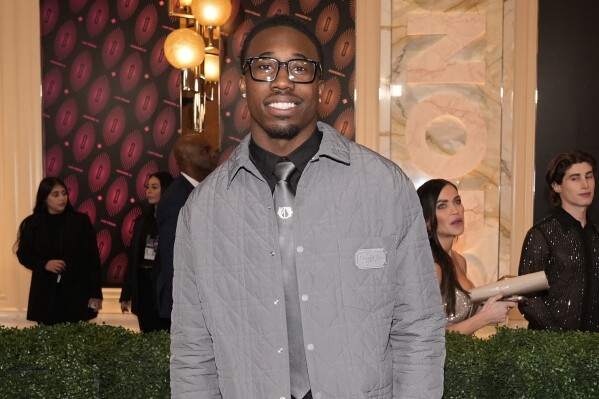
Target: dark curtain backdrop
{"type": "Point", "coordinates": [111, 100]}
{"type": "Point", "coordinates": [568, 88]}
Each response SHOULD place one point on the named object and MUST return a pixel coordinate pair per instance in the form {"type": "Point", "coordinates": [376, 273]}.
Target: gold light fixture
{"type": "Point", "coordinates": [211, 67]}
{"type": "Point", "coordinates": [193, 48]}
{"type": "Point", "coordinates": [184, 48]}
{"type": "Point", "coordinates": [211, 12]}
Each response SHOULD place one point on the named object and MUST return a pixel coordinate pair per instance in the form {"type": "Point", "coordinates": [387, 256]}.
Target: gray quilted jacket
{"type": "Point", "coordinates": [372, 317]}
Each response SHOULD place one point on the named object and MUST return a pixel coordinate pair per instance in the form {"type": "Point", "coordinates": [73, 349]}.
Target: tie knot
{"type": "Point", "coordinates": [283, 170]}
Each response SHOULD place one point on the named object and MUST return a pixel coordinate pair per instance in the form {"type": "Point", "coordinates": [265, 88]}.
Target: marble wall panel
{"type": "Point", "coordinates": [445, 88]}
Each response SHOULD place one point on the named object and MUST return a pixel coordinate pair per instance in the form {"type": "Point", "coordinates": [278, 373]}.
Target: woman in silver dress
{"type": "Point", "coordinates": [444, 215]}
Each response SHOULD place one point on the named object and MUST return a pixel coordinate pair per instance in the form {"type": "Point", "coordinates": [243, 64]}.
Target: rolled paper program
{"type": "Point", "coordinates": [520, 285]}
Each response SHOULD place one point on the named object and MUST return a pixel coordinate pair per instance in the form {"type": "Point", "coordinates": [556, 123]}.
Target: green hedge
{"type": "Point", "coordinates": [518, 363]}
{"type": "Point", "coordinates": [83, 361]}
{"type": "Point", "coordinates": [86, 360]}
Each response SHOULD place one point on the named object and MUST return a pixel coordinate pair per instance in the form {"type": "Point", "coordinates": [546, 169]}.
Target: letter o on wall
{"type": "Point", "coordinates": [442, 165]}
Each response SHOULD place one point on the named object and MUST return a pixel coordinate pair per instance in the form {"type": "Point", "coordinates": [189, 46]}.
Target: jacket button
{"type": "Point", "coordinates": [272, 253]}
{"type": "Point", "coordinates": [310, 347]}
{"type": "Point", "coordinates": [305, 297]}
{"type": "Point", "coordinates": [300, 249]}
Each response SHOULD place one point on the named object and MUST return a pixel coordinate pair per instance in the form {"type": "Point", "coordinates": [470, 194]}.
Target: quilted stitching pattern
{"type": "Point", "coordinates": [226, 262]}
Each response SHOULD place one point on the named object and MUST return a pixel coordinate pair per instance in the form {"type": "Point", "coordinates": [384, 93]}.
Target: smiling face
{"type": "Point", "coordinates": [577, 188]}
{"type": "Point", "coordinates": [153, 190]}
{"type": "Point", "coordinates": [450, 214]}
{"type": "Point", "coordinates": [57, 200]}
{"type": "Point", "coordinates": [283, 113]}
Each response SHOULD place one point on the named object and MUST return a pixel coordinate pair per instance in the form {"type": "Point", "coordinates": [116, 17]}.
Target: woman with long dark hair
{"type": "Point", "coordinates": [444, 216]}
{"type": "Point", "coordinates": [58, 244]}
{"type": "Point", "coordinates": [139, 287]}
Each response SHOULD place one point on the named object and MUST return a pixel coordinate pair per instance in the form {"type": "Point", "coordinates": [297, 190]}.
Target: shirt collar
{"type": "Point", "coordinates": [565, 218]}
{"type": "Point", "coordinates": [568, 221]}
{"type": "Point", "coordinates": [333, 145]}
{"type": "Point", "coordinates": [266, 161]}
{"type": "Point", "coordinates": [190, 179]}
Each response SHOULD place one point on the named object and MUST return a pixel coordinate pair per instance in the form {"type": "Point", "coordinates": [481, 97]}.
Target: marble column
{"type": "Point", "coordinates": [445, 87]}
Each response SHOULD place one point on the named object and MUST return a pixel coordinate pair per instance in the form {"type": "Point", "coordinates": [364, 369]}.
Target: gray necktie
{"type": "Point", "coordinates": [283, 196]}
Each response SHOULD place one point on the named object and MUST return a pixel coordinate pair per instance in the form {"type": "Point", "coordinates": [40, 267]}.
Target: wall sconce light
{"type": "Point", "coordinates": [193, 48]}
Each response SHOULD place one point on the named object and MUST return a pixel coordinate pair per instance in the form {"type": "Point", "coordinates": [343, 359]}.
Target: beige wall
{"type": "Point", "coordinates": [20, 138]}
{"type": "Point", "coordinates": [21, 164]}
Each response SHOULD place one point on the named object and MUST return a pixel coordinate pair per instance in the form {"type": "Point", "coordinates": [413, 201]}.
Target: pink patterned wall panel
{"type": "Point", "coordinates": [110, 99]}
{"type": "Point", "coordinates": [110, 111]}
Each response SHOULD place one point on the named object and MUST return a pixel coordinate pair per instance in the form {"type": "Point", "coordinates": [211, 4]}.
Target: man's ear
{"type": "Point", "coordinates": [556, 187]}
{"type": "Point", "coordinates": [242, 86]}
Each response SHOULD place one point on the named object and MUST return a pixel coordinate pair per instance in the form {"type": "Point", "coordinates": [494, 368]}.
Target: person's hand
{"type": "Point", "coordinates": [125, 306]}
{"type": "Point", "coordinates": [94, 304]}
{"type": "Point", "coordinates": [495, 310]}
{"type": "Point", "coordinates": [56, 266]}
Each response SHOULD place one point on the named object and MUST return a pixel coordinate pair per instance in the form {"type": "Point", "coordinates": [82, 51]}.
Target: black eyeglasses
{"type": "Point", "coordinates": [265, 69]}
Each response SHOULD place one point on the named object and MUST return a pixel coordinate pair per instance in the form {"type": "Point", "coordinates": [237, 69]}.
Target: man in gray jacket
{"type": "Point", "coordinates": [353, 309]}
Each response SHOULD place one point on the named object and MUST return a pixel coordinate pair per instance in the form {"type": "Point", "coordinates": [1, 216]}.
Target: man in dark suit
{"type": "Point", "coordinates": [196, 159]}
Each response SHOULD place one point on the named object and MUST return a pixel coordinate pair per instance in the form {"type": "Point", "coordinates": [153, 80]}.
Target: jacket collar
{"type": "Point", "coordinates": [333, 146]}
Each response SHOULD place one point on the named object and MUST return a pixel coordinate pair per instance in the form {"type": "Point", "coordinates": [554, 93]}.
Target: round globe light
{"type": "Point", "coordinates": [184, 48]}
{"type": "Point", "coordinates": [211, 12]}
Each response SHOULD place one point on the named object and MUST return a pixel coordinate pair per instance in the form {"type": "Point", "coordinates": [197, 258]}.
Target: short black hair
{"type": "Point", "coordinates": [276, 21]}
{"type": "Point", "coordinates": [557, 170]}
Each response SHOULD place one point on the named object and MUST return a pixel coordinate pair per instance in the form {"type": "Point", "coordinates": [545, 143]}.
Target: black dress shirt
{"type": "Point", "coordinates": [266, 161]}
{"type": "Point", "coordinates": [569, 255]}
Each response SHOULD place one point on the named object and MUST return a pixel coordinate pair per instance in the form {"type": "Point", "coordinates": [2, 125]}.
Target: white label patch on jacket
{"type": "Point", "coordinates": [371, 258]}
